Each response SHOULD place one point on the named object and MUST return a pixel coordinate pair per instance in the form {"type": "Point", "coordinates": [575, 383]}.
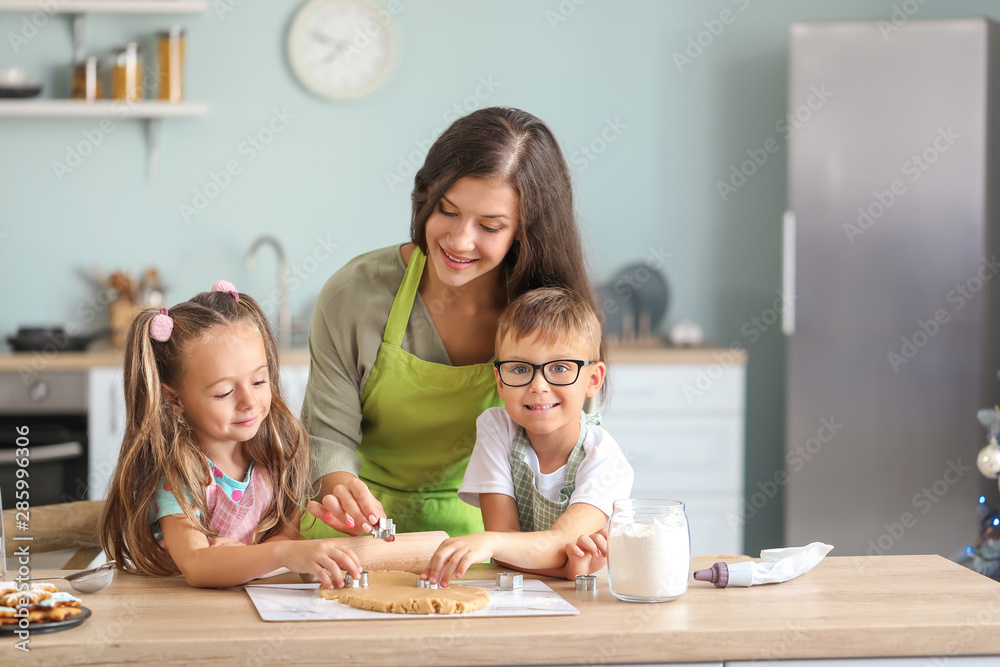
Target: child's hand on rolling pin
{"type": "Point", "coordinates": [456, 555]}
{"type": "Point", "coordinates": [350, 508]}
{"type": "Point", "coordinates": [588, 555]}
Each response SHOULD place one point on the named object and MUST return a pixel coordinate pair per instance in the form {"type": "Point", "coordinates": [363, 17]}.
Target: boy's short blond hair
{"type": "Point", "coordinates": [555, 314]}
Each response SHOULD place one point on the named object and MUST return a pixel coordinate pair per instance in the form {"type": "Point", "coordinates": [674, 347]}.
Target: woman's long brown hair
{"type": "Point", "coordinates": [158, 447]}
{"type": "Point", "coordinates": [513, 147]}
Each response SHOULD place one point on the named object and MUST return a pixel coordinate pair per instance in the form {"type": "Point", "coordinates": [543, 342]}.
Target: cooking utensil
{"type": "Point", "coordinates": [88, 581]}
{"type": "Point", "coordinates": [20, 92]}
{"type": "Point", "coordinates": [42, 339]}
{"type": "Point", "coordinates": [384, 529]}
{"type": "Point", "coordinates": [634, 302]}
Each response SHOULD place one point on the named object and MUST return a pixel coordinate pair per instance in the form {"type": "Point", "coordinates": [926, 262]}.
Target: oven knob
{"type": "Point", "coordinates": [38, 391]}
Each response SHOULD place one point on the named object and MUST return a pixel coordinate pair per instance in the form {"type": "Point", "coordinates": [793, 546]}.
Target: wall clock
{"type": "Point", "coordinates": [342, 49]}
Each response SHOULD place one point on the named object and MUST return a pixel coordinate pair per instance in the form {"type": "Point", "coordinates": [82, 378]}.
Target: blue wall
{"type": "Point", "coordinates": [681, 127]}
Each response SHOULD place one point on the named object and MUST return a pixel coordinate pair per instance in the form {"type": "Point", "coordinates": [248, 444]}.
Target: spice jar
{"type": "Point", "coordinates": [87, 80]}
{"type": "Point", "coordinates": [170, 46]}
{"type": "Point", "coordinates": [126, 74]}
{"type": "Point", "coordinates": [649, 550]}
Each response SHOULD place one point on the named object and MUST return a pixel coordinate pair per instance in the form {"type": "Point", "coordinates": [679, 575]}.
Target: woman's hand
{"type": "Point", "coordinates": [346, 504]}
{"type": "Point", "coordinates": [588, 555]}
{"type": "Point", "coordinates": [321, 558]}
{"type": "Point", "coordinates": [456, 555]}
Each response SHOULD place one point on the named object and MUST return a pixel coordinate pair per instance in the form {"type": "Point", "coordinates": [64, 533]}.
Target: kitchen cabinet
{"type": "Point", "coordinates": [681, 427]}
{"type": "Point", "coordinates": [953, 661]}
{"type": "Point", "coordinates": [293, 385]}
{"type": "Point", "coordinates": [105, 427]}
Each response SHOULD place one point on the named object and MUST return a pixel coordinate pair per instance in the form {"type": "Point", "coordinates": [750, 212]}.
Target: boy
{"type": "Point", "coordinates": [542, 472]}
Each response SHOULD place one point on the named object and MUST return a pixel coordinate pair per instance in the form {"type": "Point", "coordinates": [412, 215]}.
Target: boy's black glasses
{"type": "Point", "coordinates": [560, 372]}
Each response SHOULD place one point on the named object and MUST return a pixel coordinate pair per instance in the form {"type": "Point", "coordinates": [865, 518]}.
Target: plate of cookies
{"type": "Point", "coordinates": [48, 609]}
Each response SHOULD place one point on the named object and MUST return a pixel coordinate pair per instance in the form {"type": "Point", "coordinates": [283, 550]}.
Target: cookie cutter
{"type": "Point", "coordinates": [510, 581]}
{"type": "Point", "coordinates": [384, 529]}
{"type": "Point", "coordinates": [423, 583]}
{"type": "Point", "coordinates": [360, 582]}
{"type": "Point", "coordinates": [586, 583]}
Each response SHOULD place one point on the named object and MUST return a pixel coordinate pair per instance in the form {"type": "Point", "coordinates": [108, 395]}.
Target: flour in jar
{"type": "Point", "coordinates": [649, 560]}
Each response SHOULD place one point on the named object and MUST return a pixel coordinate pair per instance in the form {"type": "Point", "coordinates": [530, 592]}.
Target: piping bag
{"type": "Point", "coordinates": [779, 565]}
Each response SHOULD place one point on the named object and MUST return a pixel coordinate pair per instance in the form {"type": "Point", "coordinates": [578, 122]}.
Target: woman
{"type": "Point", "coordinates": [402, 338]}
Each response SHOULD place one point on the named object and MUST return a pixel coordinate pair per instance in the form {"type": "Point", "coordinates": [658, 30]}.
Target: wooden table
{"type": "Point", "coordinates": [846, 607]}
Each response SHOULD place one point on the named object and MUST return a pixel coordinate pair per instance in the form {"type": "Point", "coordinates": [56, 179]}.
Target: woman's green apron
{"type": "Point", "coordinates": [418, 425]}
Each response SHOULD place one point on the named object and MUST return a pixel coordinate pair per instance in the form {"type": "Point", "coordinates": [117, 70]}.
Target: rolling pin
{"type": "Point", "coordinates": [410, 552]}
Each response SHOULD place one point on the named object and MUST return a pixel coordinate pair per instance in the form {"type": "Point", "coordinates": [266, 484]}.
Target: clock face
{"type": "Point", "coordinates": [342, 49]}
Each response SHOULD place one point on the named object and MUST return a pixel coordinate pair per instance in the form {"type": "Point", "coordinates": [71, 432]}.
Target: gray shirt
{"type": "Point", "coordinates": [344, 338]}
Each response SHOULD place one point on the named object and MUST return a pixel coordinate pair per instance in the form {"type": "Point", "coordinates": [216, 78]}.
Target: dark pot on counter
{"type": "Point", "coordinates": [48, 339]}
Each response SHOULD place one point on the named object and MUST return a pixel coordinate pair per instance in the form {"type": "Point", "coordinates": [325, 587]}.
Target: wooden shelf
{"type": "Point", "coordinates": [100, 109]}
{"type": "Point", "coordinates": [107, 6]}
{"type": "Point", "coordinates": [152, 111]}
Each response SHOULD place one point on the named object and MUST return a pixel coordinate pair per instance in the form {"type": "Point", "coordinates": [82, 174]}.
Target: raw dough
{"type": "Point", "coordinates": [397, 593]}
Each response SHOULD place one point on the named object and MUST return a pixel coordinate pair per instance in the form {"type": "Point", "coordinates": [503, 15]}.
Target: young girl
{"type": "Point", "coordinates": [212, 456]}
{"type": "Point", "coordinates": [543, 472]}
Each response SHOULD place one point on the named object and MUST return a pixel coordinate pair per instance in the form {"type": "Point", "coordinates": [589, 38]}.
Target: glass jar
{"type": "Point", "coordinates": [87, 80]}
{"type": "Point", "coordinates": [649, 550]}
{"type": "Point", "coordinates": [170, 47]}
{"type": "Point", "coordinates": [126, 74]}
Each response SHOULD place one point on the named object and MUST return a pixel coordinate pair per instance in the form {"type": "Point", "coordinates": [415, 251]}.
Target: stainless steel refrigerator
{"type": "Point", "coordinates": [891, 271]}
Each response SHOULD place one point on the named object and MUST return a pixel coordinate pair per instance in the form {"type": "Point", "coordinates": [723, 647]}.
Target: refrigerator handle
{"type": "Point", "coordinates": [788, 273]}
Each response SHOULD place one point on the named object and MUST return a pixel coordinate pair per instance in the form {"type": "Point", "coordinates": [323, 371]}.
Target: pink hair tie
{"type": "Point", "coordinates": [226, 286]}
{"type": "Point", "coordinates": [161, 326]}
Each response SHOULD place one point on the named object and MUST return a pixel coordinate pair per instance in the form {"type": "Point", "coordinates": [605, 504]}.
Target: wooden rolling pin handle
{"type": "Point", "coordinates": [410, 552]}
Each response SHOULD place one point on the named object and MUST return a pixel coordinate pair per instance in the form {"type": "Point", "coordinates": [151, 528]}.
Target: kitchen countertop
{"type": "Point", "coordinates": [845, 607]}
{"type": "Point", "coordinates": [33, 362]}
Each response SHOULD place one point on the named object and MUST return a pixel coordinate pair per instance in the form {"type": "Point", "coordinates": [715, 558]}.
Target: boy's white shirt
{"type": "Point", "coordinates": [603, 477]}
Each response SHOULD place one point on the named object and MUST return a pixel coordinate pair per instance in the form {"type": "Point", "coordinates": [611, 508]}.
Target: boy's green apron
{"type": "Point", "coordinates": [418, 425]}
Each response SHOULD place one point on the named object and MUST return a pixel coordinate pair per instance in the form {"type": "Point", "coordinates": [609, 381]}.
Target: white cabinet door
{"type": "Point", "coordinates": [105, 427]}
{"type": "Point", "coordinates": [681, 427]}
{"type": "Point", "coordinates": [293, 386]}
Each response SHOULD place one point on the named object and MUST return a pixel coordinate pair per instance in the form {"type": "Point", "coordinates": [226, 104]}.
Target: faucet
{"type": "Point", "coordinates": [284, 309]}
